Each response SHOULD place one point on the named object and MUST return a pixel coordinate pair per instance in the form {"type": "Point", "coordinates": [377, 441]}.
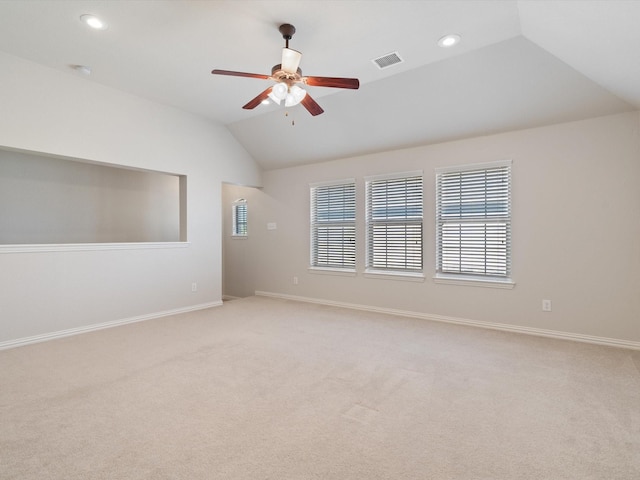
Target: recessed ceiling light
{"type": "Point", "coordinates": [449, 41]}
{"type": "Point", "coordinates": [94, 22]}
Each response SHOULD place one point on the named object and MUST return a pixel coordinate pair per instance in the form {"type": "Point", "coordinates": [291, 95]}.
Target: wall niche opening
{"type": "Point", "coordinates": [54, 200]}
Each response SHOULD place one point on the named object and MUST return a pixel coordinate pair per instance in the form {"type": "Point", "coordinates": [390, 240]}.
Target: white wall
{"type": "Point", "coordinates": [44, 110]}
{"type": "Point", "coordinates": [576, 231]}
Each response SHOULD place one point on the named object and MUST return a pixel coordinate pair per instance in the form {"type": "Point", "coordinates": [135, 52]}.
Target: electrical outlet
{"type": "Point", "coordinates": [295, 280]}
{"type": "Point", "coordinates": [546, 305]}
{"type": "Point", "coordinates": [194, 287]}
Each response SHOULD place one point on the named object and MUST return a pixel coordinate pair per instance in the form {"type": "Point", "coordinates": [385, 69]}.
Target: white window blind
{"type": "Point", "coordinates": [239, 214]}
{"type": "Point", "coordinates": [473, 214]}
{"type": "Point", "coordinates": [333, 225]}
{"type": "Point", "coordinates": [394, 223]}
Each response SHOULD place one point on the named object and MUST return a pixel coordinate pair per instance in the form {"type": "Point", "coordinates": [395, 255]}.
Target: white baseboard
{"type": "Point", "coordinates": [19, 342]}
{"type": "Point", "coordinates": [577, 337]}
{"type": "Point", "coordinates": [229, 297]}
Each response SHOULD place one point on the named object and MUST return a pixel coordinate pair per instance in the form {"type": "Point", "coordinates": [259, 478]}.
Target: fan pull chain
{"type": "Point", "coordinates": [293, 120]}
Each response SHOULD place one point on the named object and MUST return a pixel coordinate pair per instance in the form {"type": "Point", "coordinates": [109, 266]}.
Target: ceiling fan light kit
{"type": "Point", "coordinates": [288, 76]}
{"type": "Point", "coordinates": [292, 95]}
{"type": "Point", "coordinates": [279, 92]}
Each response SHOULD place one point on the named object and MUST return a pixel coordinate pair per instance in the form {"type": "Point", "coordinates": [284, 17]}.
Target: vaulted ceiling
{"type": "Point", "coordinates": [520, 64]}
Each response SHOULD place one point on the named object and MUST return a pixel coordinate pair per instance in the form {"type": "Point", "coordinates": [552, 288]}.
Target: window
{"type": "Point", "coordinates": [239, 214]}
{"type": "Point", "coordinates": [473, 215]}
{"type": "Point", "coordinates": [394, 223]}
{"type": "Point", "coordinates": [333, 225]}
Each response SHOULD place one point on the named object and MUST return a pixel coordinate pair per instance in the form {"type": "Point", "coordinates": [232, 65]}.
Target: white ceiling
{"type": "Point", "coordinates": [520, 64]}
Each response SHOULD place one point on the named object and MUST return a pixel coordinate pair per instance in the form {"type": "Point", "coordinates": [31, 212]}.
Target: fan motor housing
{"type": "Point", "coordinates": [280, 75]}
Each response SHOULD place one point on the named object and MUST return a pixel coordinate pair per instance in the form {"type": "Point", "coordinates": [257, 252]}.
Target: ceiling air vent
{"type": "Point", "coordinates": [387, 60]}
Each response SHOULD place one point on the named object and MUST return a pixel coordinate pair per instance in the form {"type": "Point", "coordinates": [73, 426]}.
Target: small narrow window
{"type": "Point", "coordinates": [333, 225]}
{"type": "Point", "coordinates": [239, 213]}
{"type": "Point", "coordinates": [473, 215]}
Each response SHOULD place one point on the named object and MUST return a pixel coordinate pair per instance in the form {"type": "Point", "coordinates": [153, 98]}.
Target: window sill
{"type": "Point", "coordinates": [239, 237]}
{"type": "Point", "coordinates": [403, 276]}
{"type": "Point", "coordinates": [471, 281]}
{"type": "Point", "coordinates": [78, 247]}
{"type": "Point", "coordinates": [345, 272]}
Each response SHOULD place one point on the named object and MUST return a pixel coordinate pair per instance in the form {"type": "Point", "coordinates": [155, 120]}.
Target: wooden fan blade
{"type": "Point", "coordinates": [240, 74]}
{"type": "Point", "coordinates": [257, 100]}
{"type": "Point", "coordinates": [311, 105]}
{"type": "Point", "coordinates": [334, 82]}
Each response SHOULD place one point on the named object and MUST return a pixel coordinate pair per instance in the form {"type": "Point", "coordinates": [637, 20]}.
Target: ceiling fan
{"type": "Point", "coordinates": [288, 76]}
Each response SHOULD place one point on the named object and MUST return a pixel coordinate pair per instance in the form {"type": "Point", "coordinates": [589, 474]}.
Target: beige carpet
{"type": "Point", "coordinates": [268, 389]}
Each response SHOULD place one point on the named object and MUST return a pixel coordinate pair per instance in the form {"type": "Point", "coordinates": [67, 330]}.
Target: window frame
{"type": "Point", "coordinates": [372, 267]}
{"type": "Point", "coordinates": [347, 224]}
{"type": "Point", "coordinates": [496, 220]}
